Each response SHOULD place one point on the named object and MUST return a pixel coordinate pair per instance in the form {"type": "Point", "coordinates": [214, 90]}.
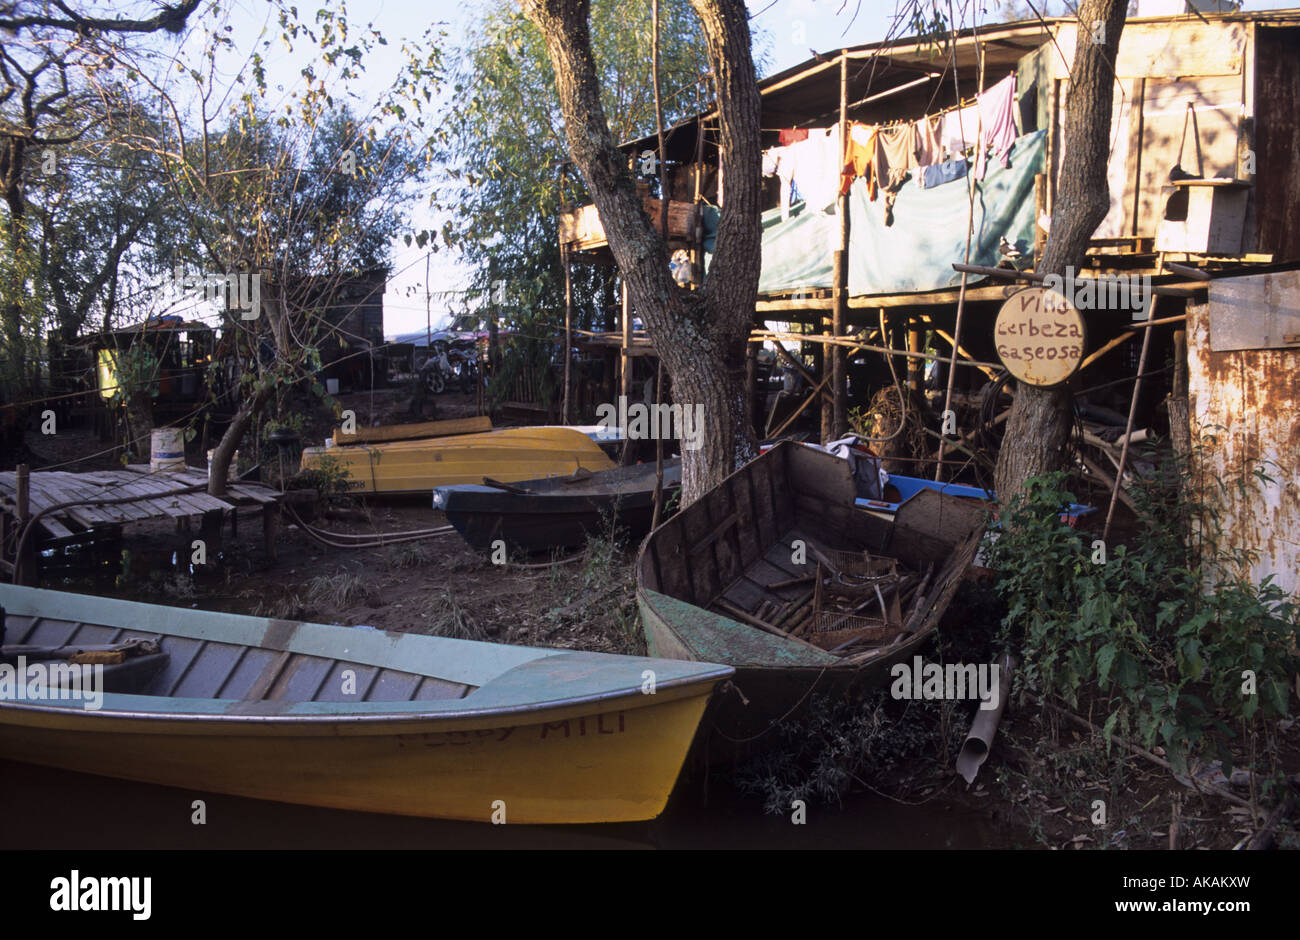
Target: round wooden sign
{"type": "Point", "coordinates": [1039, 336]}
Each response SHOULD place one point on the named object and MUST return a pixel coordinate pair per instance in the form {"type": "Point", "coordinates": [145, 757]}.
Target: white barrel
{"type": "Point", "coordinates": [232, 471]}
{"type": "Point", "coordinates": [167, 449]}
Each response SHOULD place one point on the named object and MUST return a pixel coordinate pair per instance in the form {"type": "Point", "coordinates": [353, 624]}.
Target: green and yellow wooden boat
{"type": "Point", "coordinates": [734, 578]}
{"type": "Point", "coordinates": [417, 466]}
{"type": "Point", "coordinates": [346, 717]}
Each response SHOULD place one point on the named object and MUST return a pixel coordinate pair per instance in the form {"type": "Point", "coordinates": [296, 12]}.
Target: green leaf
{"type": "Point", "coordinates": [1108, 729]}
{"type": "Point", "coordinates": [1105, 659]}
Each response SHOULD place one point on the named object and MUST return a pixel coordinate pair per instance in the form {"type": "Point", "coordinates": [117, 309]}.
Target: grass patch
{"type": "Point", "coordinates": [407, 555]}
{"type": "Point", "coordinates": [452, 619]}
{"type": "Point", "coordinates": [339, 590]}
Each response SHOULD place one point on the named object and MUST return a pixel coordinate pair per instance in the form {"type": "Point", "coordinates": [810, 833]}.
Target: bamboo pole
{"type": "Point", "coordinates": [798, 411]}
{"type": "Point", "coordinates": [962, 351]}
{"type": "Point", "coordinates": [1011, 274]}
{"type": "Point", "coordinates": [961, 293]}
{"type": "Point", "coordinates": [853, 344]}
{"type": "Point", "coordinates": [1128, 427]}
{"type": "Point", "coordinates": [1097, 354]}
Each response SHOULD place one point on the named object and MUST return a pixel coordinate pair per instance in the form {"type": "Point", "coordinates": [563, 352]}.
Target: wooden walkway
{"type": "Point", "coordinates": [155, 491]}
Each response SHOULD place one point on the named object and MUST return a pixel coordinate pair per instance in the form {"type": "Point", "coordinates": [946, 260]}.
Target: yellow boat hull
{"type": "Point", "coordinates": [507, 455]}
{"type": "Point", "coordinates": [576, 764]}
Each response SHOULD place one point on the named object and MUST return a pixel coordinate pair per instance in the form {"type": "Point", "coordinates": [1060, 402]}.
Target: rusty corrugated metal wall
{"type": "Point", "coordinates": [1248, 401]}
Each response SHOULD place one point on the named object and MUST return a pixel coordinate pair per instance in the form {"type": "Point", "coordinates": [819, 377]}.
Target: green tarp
{"type": "Point", "coordinates": [917, 252]}
{"type": "Point", "coordinates": [797, 251]}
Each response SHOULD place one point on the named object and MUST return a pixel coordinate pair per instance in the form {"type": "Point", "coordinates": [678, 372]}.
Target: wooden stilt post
{"type": "Point", "coordinates": [824, 368]}
{"type": "Point", "coordinates": [1180, 428]}
{"type": "Point", "coordinates": [25, 563]}
{"type": "Point", "coordinates": [751, 379]}
{"type": "Point", "coordinates": [915, 366]}
{"type": "Point", "coordinates": [625, 361]}
{"type": "Point", "coordinates": [568, 329]}
{"type": "Point", "coordinates": [840, 279]}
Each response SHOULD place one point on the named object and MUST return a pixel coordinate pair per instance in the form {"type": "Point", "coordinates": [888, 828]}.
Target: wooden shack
{"type": "Point", "coordinates": [1202, 160]}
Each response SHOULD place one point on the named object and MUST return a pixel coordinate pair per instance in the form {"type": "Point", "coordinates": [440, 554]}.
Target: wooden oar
{"type": "Point", "coordinates": [497, 484]}
{"type": "Point", "coordinates": [734, 611]}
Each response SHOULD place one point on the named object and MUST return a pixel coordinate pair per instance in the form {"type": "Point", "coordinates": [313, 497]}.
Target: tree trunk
{"type": "Point", "coordinates": [139, 425]}
{"type": "Point", "coordinates": [275, 309]}
{"type": "Point", "coordinates": [1038, 430]}
{"type": "Point", "coordinates": [700, 335]}
{"type": "Point", "coordinates": [224, 452]}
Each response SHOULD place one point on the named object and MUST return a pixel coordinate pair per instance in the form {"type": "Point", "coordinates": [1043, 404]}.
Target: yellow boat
{"type": "Point", "coordinates": [344, 717]}
{"type": "Point", "coordinates": [507, 455]}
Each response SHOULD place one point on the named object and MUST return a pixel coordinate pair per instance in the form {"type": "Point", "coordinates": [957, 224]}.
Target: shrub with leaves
{"type": "Point", "coordinates": [1180, 647]}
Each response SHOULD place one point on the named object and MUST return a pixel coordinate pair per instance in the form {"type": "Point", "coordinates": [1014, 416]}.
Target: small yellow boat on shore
{"type": "Point", "coordinates": [417, 466]}
{"type": "Point", "coordinates": [344, 717]}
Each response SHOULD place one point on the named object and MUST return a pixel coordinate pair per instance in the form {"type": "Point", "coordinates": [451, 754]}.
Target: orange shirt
{"type": "Point", "coordinates": [859, 158]}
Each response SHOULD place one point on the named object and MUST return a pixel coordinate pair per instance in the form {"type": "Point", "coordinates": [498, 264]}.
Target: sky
{"type": "Point", "coordinates": [793, 30]}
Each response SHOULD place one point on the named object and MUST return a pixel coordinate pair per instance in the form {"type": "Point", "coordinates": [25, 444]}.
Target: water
{"type": "Point", "coordinates": [55, 809]}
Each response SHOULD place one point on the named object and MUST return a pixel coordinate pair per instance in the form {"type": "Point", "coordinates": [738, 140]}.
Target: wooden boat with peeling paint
{"type": "Point", "coordinates": [417, 466]}
{"type": "Point", "coordinates": [746, 576]}
{"type": "Point", "coordinates": [351, 717]}
{"type": "Point", "coordinates": [556, 512]}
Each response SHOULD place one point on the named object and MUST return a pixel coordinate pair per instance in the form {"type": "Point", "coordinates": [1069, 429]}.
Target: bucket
{"type": "Point", "coordinates": [231, 471]}
{"type": "Point", "coordinates": [331, 386]}
{"type": "Point", "coordinates": [167, 450]}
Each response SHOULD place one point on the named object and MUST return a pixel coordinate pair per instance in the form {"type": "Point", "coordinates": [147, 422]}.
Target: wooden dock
{"type": "Point", "coordinates": [69, 507]}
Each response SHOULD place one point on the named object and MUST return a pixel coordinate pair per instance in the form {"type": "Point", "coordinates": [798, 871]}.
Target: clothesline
{"type": "Point", "coordinates": [932, 149]}
{"type": "Point", "coordinates": [961, 103]}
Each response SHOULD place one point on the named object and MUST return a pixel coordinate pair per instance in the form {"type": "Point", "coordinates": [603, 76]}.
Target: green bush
{"type": "Point", "coordinates": [1164, 629]}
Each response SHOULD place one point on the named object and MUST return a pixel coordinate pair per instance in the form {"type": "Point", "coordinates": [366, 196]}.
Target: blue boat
{"type": "Point", "coordinates": [904, 488]}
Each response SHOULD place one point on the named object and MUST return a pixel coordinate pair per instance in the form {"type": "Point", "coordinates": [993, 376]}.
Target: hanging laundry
{"type": "Point", "coordinates": [816, 172]}
{"type": "Point", "coordinates": [997, 123]}
{"type": "Point", "coordinates": [897, 149]}
{"type": "Point", "coordinates": [936, 174]}
{"type": "Point", "coordinates": [772, 160]}
{"type": "Point", "coordinates": [809, 167]}
{"type": "Point", "coordinates": [928, 150]}
{"type": "Point", "coordinates": [792, 135]}
{"type": "Point", "coordinates": [958, 129]}
{"type": "Point", "coordinates": [894, 159]}
{"type": "Point", "coordinates": [860, 158]}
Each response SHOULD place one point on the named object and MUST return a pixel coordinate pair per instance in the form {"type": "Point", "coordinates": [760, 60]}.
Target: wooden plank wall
{"type": "Point", "coordinates": [1160, 68]}
{"type": "Point", "coordinates": [1277, 140]}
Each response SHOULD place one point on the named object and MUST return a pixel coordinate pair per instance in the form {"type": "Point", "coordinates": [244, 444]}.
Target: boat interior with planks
{"type": "Point", "coordinates": [776, 572]}
{"type": "Point", "coordinates": [556, 512]}
{"type": "Point", "coordinates": [344, 717]}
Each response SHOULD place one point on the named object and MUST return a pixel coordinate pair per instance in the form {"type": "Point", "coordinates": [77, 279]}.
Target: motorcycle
{"type": "Point", "coordinates": [451, 362]}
